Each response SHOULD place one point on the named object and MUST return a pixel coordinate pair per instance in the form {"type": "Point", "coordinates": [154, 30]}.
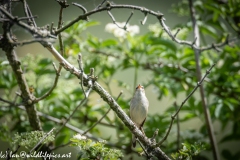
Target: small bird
{"type": "Point", "coordinates": [138, 109]}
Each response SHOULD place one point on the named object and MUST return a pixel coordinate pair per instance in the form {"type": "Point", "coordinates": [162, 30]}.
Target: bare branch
{"type": "Point", "coordinates": [63, 5]}
{"type": "Point", "coordinates": [125, 26]}
{"type": "Point", "coordinates": [153, 66]}
{"type": "Point", "coordinates": [91, 72]}
{"type": "Point", "coordinates": [184, 101]}
{"type": "Point", "coordinates": [26, 18]}
{"type": "Point", "coordinates": [54, 84]}
{"type": "Point", "coordinates": [108, 7]}
{"type": "Point", "coordinates": [42, 33]}
{"type": "Point", "coordinates": [113, 19]}
{"type": "Point", "coordinates": [194, 41]}
{"type": "Point", "coordinates": [144, 150]}
{"type": "Point", "coordinates": [36, 40]}
{"type": "Point", "coordinates": [29, 16]}
{"type": "Point", "coordinates": [100, 5]}
{"type": "Point", "coordinates": [81, 7]}
{"type": "Point", "coordinates": [6, 101]}
{"type": "Point", "coordinates": [104, 53]}
{"type": "Point", "coordinates": [145, 18]}
{"type": "Point", "coordinates": [175, 35]}
{"type": "Point", "coordinates": [81, 69]}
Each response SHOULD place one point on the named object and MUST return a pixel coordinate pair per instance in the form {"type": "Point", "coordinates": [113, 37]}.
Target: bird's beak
{"type": "Point", "coordinates": [139, 86]}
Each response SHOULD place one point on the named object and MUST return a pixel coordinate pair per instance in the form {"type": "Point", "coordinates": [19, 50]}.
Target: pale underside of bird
{"type": "Point", "coordinates": [138, 109]}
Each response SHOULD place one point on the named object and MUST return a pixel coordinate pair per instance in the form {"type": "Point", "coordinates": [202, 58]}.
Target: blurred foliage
{"type": "Point", "coordinates": [94, 150]}
{"type": "Point", "coordinates": [31, 139]}
{"type": "Point", "coordinates": [170, 70]}
{"type": "Point", "coordinates": [188, 151]}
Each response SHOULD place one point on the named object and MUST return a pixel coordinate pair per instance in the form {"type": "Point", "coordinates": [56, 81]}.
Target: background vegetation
{"type": "Point", "coordinates": [163, 66]}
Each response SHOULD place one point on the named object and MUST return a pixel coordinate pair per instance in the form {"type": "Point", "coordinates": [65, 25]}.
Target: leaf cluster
{"type": "Point", "coordinates": [95, 150]}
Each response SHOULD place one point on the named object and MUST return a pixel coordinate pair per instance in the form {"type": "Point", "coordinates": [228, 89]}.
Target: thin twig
{"type": "Point", "coordinates": [44, 137]}
{"type": "Point", "coordinates": [100, 5]}
{"type": "Point", "coordinates": [175, 35]}
{"type": "Point", "coordinates": [80, 64]}
{"type": "Point", "coordinates": [80, 6]}
{"type": "Point", "coordinates": [145, 18]}
{"type": "Point", "coordinates": [39, 40]}
{"type": "Point", "coordinates": [26, 11]}
{"type": "Point", "coordinates": [184, 101]}
{"type": "Point", "coordinates": [63, 5]}
{"type": "Point", "coordinates": [6, 101]}
{"type": "Point", "coordinates": [155, 134]}
{"type": "Point", "coordinates": [60, 35]}
{"type": "Point", "coordinates": [26, 18]}
{"type": "Point", "coordinates": [113, 19]}
{"type": "Point", "coordinates": [101, 117]}
{"type": "Point", "coordinates": [125, 26]}
{"type": "Point", "coordinates": [113, 6]}
{"type": "Point", "coordinates": [104, 53]}
{"type": "Point", "coordinates": [31, 15]}
{"type": "Point", "coordinates": [54, 84]}
{"type": "Point", "coordinates": [41, 33]}
{"type": "Point", "coordinates": [148, 157]}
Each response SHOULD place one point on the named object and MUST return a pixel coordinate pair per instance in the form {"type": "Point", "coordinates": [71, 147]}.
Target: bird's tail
{"type": "Point", "coordinates": [134, 141]}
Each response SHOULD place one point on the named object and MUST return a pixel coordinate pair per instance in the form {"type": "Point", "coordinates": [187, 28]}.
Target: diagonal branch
{"type": "Point", "coordinates": [184, 101]}
{"type": "Point", "coordinates": [111, 102]}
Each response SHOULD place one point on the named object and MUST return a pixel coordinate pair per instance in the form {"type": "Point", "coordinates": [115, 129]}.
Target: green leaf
{"type": "Point", "coordinates": [165, 42]}
{"type": "Point", "coordinates": [218, 110]}
{"type": "Point", "coordinates": [109, 43]}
